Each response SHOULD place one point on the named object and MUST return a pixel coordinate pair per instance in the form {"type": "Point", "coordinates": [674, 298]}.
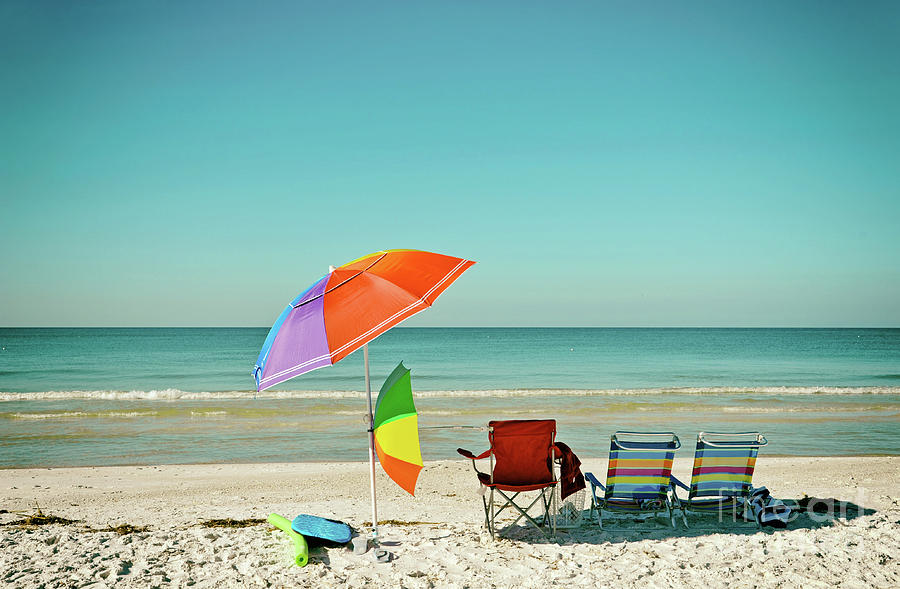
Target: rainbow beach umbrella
{"type": "Point", "coordinates": [396, 430]}
{"type": "Point", "coordinates": [345, 310]}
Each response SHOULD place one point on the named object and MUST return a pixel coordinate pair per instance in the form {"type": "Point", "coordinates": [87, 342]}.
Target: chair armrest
{"type": "Point", "coordinates": [471, 456]}
{"type": "Point", "coordinates": [595, 484]}
{"type": "Point", "coordinates": [589, 476]}
{"type": "Point", "coordinates": [679, 484]}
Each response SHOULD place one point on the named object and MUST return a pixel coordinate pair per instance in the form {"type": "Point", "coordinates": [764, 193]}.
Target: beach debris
{"type": "Point", "coordinates": [397, 522]}
{"type": "Point", "coordinates": [123, 529]}
{"type": "Point", "coordinates": [231, 523]}
{"type": "Point", "coordinates": [38, 518]}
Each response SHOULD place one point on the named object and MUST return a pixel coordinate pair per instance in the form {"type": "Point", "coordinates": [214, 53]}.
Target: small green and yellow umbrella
{"type": "Point", "coordinates": [396, 428]}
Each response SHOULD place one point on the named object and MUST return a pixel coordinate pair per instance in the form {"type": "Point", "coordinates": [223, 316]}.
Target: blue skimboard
{"type": "Point", "coordinates": [328, 530]}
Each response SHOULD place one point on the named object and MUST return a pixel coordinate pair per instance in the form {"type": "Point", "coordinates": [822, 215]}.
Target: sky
{"type": "Point", "coordinates": [605, 163]}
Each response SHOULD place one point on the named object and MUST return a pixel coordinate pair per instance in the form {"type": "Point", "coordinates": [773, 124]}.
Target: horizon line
{"type": "Point", "coordinates": [468, 327]}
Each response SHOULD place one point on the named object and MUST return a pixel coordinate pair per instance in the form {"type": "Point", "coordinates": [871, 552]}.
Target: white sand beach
{"type": "Point", "coordinates": [436, 537]}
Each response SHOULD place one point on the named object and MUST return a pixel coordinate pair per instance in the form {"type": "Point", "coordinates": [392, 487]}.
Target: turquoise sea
{"type": "Point", "coordinates": [101, 396]}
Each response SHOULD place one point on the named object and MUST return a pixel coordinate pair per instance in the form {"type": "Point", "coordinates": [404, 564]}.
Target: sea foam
{"type": "Point", "coordinates": [177, 395]}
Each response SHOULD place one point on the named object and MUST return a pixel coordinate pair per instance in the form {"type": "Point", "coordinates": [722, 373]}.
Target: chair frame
{"type": "Point", "coordinates": [719, 440]}
{"type": "Point", "coordinates": [492, 506]}
{"type": "Point", "coordinates": [607, 502]}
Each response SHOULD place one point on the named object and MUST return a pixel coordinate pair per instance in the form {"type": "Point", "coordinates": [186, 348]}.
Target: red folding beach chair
{"type": "Point", "coordinates": [522, 455]}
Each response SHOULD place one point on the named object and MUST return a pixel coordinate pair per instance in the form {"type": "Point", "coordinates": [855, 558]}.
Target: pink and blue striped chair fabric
{"type": "Point", "coordinates": [722, 475]}
{"type": "Point", "coordinates": [638, 478]}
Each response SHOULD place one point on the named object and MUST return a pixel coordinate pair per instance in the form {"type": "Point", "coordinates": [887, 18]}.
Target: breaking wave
{"type": "Point", "coordinates": [179, 395]}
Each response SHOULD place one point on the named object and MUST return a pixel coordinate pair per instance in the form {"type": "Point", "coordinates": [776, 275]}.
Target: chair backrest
{"type": "Point", "coordinates": [522, 451]}
{"type": "Point", "coordinates": [640, 464]}
{"type": "Point", "coordinates": [723, 464]}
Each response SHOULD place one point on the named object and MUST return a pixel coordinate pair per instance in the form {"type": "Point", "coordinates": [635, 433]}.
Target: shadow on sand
{"type": "Point", "coordinates": [806, 513]}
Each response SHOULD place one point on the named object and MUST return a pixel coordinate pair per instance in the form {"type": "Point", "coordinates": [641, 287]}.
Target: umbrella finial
{"type": "Point", "coordinates": [331, 269]}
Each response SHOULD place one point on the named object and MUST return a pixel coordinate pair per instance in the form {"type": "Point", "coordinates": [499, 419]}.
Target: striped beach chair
{"type": "Point", "coordinates": [723, 469]}
{"type": "Point", "coordinates": [638, 479]}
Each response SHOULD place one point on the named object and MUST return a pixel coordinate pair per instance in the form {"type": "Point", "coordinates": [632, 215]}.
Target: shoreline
{"type": "Point", "coordinates": [67, 432]}
{"type": "Point", "coordinates": [436, 536]}
{"type": "Point", "coordinates": [330, 463]}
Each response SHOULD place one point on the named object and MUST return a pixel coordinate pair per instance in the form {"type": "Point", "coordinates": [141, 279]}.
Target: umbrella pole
{"type": "Point", "coordinates": [371, 445]}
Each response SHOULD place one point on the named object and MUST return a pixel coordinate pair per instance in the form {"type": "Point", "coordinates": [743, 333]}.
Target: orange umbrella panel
{"type": "Point", "coordinates": [368, 296]}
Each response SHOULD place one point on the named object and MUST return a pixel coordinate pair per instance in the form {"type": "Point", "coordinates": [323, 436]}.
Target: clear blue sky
{"type": "Point", "coordinates": [609, 164]}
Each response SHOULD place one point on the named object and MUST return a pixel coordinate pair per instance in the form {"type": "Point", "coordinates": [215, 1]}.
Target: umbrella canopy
{"type": "Point", "coordinates": [396, 428]}
{"type": "Point", "coordinates": [349, 307]}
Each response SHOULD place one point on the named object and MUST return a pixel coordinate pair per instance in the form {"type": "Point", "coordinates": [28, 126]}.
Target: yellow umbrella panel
{"type": "Point", "coordinates": [396, 427]}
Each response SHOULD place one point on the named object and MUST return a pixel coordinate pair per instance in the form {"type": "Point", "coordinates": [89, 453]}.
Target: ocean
{"type": "Point", "coordinates": [113, 396]}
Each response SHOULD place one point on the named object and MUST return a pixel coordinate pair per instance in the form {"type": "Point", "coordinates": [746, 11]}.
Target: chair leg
{"type": "Point", "coordinates": [545, 505]}
{"type": "Point", "coordinates": [487, 518]}
{"type": "Point", "coordinates": [554, 509]}
{"type": "Point", "coordinates": [596, 506]}
{"type": "Point", "coordinates": [548, 504]}
{"type": "Point", "coordinates": [524, 512]}
{"type": "Point", "coordinates": [493, 515]}
{"type": "Point", "coordinates": [549, 508]}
